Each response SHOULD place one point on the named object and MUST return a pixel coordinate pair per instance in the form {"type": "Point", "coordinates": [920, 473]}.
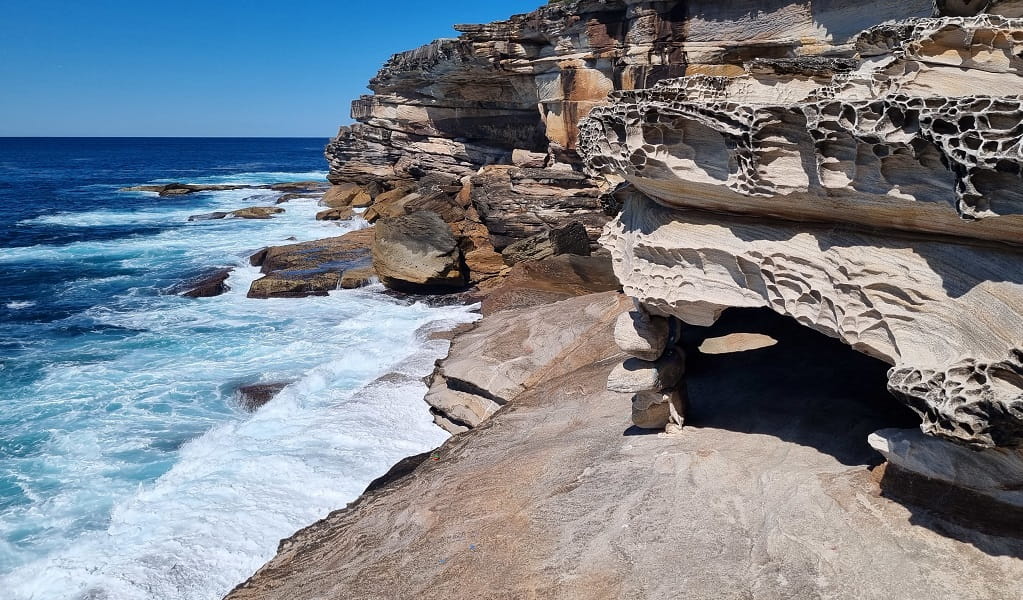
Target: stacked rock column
{"type": "Point", "coordinates": [654, 372]}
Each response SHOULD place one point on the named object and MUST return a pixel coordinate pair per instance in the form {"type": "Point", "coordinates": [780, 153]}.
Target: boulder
{"type": "Point", "coordinates": [641, 335]}
{"type": "Point", "coordinates": [635, 375]}
{"type": "Point", "coordinates": [417, 253]}
{"type": "Point", "coordinates": [569, 239]}
{"type": "Point", "coordinates": [256, 212]}
{"type": "Point", "coordinates": [464, 410]}
{"type": "Point", "coordinates": [335, 214]}
{"type": "Point", "coordinates": [252, 397]}
{"type": "Point", "coordinates": [207, 286]}
{"type": "Point", "coordinates": [340, 196]}
{"type": "Point", "coordinates": [310, 268]}
{"type": "Point", "coordinates": [362, 200]}
{"type": "Point", "coordinates": [529, 160]}
{"type": "Point", "coordinates": [656, 410]}
{"type": "Point", "coordinates": [389, 205]}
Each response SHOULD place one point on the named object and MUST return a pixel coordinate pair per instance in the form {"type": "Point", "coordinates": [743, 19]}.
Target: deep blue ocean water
{"type": "Point", "coordinates": [126, 468]}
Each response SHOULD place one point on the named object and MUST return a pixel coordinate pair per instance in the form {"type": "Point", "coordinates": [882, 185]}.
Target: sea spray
{"type": "Point", "coordinates": [127, 470]}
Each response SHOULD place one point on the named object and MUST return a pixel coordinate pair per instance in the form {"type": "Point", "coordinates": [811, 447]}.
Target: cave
{"type": "Point", "coordinates": [759, 372]}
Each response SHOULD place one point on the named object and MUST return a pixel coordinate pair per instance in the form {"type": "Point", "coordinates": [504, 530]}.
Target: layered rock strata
{"type": "Point", "coordinates": [313, 268]}
{"type": "Point", "coordinates": [848, 180]}
{"type": "Point", "coordinates": [767, 495]}
{"type": "Point", "coordinates": [507, 354]}
{"type": "Point", "coordinates": [524, 83]}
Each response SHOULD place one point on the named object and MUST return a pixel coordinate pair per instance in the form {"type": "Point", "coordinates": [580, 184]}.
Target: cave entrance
{"type": "Point", "coordinates": [756, 371]}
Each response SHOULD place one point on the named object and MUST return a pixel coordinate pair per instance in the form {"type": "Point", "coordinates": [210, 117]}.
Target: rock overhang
{"type": "Point", "coordinates": [878, 202]}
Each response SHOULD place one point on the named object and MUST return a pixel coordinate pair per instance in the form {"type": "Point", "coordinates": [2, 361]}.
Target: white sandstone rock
{"type": "Point", "coordinates": [635, 375]}
{"type": "Point", "coordinates": [641, 335]}
{"type": "Point", "coordinates": [657, 410]}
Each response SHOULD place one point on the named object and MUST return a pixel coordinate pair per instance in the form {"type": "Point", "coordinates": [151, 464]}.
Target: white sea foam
{"type": "Point", "coordinates": [19, 304]}
{"type": "Point", "coordinates": [217, 515]}
{"type": "Point", "coordinates": [256, 178]}
{"type": "Point", "coordinates": [152, 404]}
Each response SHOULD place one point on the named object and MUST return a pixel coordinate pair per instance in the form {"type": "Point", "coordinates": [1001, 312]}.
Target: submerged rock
{"type": "Point", "coordinates": [206, 286]}
{"type": "Point", "coordinates": [252, 397]}
{"type": "Point", "coordinates": [208, 216]}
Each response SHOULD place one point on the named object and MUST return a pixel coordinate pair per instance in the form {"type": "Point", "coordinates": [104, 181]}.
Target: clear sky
{"type": "Point", "coordinates": [207, 67]}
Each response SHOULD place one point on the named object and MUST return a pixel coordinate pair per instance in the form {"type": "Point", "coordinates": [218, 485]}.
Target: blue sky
{"type": "Point", "coordinates": [209, 67]}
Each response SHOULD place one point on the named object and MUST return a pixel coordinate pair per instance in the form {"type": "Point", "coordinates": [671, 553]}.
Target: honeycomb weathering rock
{"type": "Point", "coordinates": [945, 315]}
{"type": "Point", "coordinates": [524, 83]}
{"type": "Point", "coordinates": [888, 145]}
{"type": "Point", "coordinates": [875, 197]}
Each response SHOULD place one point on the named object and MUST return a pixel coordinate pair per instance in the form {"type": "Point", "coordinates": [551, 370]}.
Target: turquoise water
{"type": "Point", "coordinates": [126, 468]}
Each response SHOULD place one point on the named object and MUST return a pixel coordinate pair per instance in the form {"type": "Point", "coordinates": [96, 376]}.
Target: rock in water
{"type": "Point", "coordinates": [251, 397]}
{"type": "Point", "coordinates": [208, 286]}
{"type": "Point", "coordinates": [417, 253]}
{"type": "Point", "coordinates": [257, 212]}
{"type": "Point", "coordinates": [311, 268]}
{"type": "Point", "coordinates": [208, 216]}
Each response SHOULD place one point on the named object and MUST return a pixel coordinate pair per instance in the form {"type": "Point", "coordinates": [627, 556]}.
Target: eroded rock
{"type": "Point", "coordinates": [635, 375]}
{"type": "Point", "coordinates": [490, 365]}
{"type": "Point", "coordinates": [845, 177]}
{"type": "Point", "coordinates": [417, 253]}
{"type": "Point", "coordinates": [641, 335]}
{"type": "Point", "coordinates": [569, 239]}
{"type": "Point", "coordinates": [311, 268]}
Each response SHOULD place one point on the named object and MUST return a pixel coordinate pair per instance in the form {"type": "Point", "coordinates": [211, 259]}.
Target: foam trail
{"type": "Point", "coordinates": [217, 515]}
{"type": "Point", "coordinates": [131, 474]}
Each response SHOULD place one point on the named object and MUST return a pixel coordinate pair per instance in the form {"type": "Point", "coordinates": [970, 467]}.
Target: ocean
{"type": "Point", "coordinates": [127, 469]}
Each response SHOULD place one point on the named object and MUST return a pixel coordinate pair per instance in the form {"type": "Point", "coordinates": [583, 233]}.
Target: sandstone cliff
{"type": "Point", "coordinates": [873, 195]}
{"type": "Point", "coordinates": [850, 167]}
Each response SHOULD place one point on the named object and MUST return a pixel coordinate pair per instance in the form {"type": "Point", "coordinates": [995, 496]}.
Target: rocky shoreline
{"type": "Point", "coordinates": [664, 211]}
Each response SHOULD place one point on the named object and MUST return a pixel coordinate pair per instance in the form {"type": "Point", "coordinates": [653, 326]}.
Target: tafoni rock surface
{"type": "Point", "coordinates": [872, 194]}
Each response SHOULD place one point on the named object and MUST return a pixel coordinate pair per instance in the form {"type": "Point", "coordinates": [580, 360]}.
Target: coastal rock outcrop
{"type": "Point", "coordinates": [312, 268]}
{"type": "Point", "coordinates": [417, 253]}
{"type": "Point", "coordinates": [509, 351]}
{"type": "Point", "coordinates": [570, 239]}
{"type": "Point", "coordinates": [872, 195]}
{"type": "Point", "coordinates": [768, 495]}
{"type": "Point", "coordinates": [552, 279]}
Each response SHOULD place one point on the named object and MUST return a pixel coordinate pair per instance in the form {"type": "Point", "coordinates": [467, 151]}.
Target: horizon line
{"type": "Point", "coordinates": [180, 137]}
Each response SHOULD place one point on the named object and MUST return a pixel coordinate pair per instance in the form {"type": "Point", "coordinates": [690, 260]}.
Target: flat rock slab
{"type": "Point", "coordinates": [764, 497]}
{"type": "Point", "coordinates": [312, 268]}
{"type": "Point", "coordinates": [538, 282]}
